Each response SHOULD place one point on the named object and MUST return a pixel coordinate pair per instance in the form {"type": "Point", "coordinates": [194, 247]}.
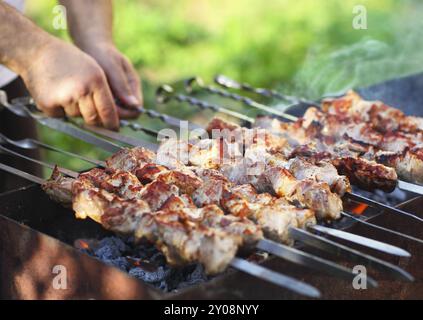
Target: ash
{"type": "Point", "coordinates": [144, 262]}
{"type": "Point", "coordinates": [394, 198]}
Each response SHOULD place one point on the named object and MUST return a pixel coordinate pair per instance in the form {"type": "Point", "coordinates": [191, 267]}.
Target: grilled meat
{"type": "Point", "coordinates": [404, 150]}
{"type": "Point", "coordinates": [274, 215]}
{"type": "Point", "coordinates": [59, 188]}
{"type": "Point", "coordinates": [182, 240]}
{"type": "Point", "coordinates": [312, 139]}
{"type": "Point", "coordinates": [321, 171]}
{"type": "Point", "coordinates": [130, 159]}
{"type": "Point", "coordinates": [318, 161]}
{"type": "Point", "coordinates": [383, 117]}
{"type": "Point", "coordinates": [269, 176]}
{"type": "Point", "coordinates": [212, 216]}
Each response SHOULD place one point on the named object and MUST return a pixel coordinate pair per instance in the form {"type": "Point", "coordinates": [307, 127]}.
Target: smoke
{"type": "Point", "coordinates": [367, 61]}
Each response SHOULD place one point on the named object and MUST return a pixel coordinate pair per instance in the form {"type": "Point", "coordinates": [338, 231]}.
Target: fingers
{"type": "Point", "coordinates": [72, 110]}
{"type": "Point", "coordinates": [127, 113]}
{"type": "Point", "coordinates": [106, 107]}
{"type": "Point", "coordinates": [51, 110]}
{"type": "Point", "coordinates": [133, 80]}
{"type": "Point", "coordinates": [120, 86]}
{"type": "Point", "coordinates": [88, 110]}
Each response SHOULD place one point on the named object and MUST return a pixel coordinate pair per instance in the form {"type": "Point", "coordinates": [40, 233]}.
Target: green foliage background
{"type": "Point", "coordinates": [306, 47]}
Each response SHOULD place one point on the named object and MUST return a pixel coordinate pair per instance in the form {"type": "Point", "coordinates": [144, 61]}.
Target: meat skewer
{"type": "Point", "coordinates": [385, 248]}
{"type": "Point", "coordinates": [210, 187]}
{"type": "Point", "coordinates": [234, 222]}
{"type": "Point", "coordinates": [311, 156]}
{"type": "Point", "coordinates": [402, 151]}
{"type": "Point", "coordinates": [174, 209]}
{"type": "Point", "coordinates": [400, 145]}
{"type": "Point", "coordinates": [363, 179]}
{"type": "Point", "coordinates": [382, 116]}
{"type": "Point", "coordinates": [307, 161]}
{"type": "Point", "coordinates": [171, 160]}
{"type": "Point", "coordinates": [386, 180]}
{"type": "Point", "coordinates": [307, 192]}
{"type": "Point", "coordinates": [235, 226]}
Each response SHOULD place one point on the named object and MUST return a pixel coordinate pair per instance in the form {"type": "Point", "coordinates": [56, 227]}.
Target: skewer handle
{"type": "Point", "coordinates": [191, 83]}
{"type": "Point", "coordinates": [229, 83]}
{"type": "Point", "coordinates": [166, 93]}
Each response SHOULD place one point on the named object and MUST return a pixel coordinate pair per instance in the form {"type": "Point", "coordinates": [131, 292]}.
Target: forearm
{"type": "Point", "coordinates": [20, 39]}
{"type": "Point", "coordinates": [90, 21]}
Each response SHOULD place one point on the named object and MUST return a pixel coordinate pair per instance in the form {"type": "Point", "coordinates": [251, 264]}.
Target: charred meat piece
{"type": "Point", "coordinates": [183, 178]}
{"type": "Point", "coordinates": [180, 239]}
{"type": "Point", "coordinates": [59, 188]}
{"type": "Point", "coordinates": [274, 215]}
{"type": "Point", "coordinates": [380, 115]}
{"type": "Point", "coordinates": [213, 217]}
{"type": "Point", "coordinates": [322, 138]}
{"type": "Point", "coordinates": [183, 241]}
{"type": "Point", "coordinates": [130, 159]}
{"type": "Point", "coordinates": [408, 164]}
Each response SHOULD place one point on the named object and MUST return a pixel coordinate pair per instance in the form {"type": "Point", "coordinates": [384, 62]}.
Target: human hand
{"type": "Point", "coordinates": [64, 80]}
{"type": "Point", "coordinates": [121, 75]}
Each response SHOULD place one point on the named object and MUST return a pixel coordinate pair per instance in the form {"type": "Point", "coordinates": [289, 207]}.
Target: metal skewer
{"type": "Point", "coordinates": [29, 143]}
{"type": "Point", "coordinates": [166, 93]}
{"type": "Point", "coordinates": [401, 184]}
{"type": "Point", "coordinates": [299, 235]}
{"type": "Point", "coordinates": [71, 130]}
{"type": "Point", "coordinates": [190, 83]}
{"type": "Point", "coordinates": [229, 83]}
{"type": "Point", "coordinates": [277, 249]}
{"type": "Point", "coordinates": [341, 250]}
{"type": "Point", "coordinates": [21, 110]}
{"type": "Point", "coordinates": [381, 246]}
{"type": "Point", "coordinates": [258, 271]}
{"type": "Point", "coordinates": [123, 138]}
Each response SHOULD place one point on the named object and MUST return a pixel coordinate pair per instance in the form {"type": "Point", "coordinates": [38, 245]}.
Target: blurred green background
{"type": "Point", "coordinates": [304, 47]}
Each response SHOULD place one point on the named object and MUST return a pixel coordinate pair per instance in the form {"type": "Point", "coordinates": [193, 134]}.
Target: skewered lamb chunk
{"type": "Point", "coordinates": [401, 151]}
{"type": "Point", "coordinates": [181, 240]}
{"type": "Point", "coordinates": [383, 117]}
{"type": "Point", "coordinates": [308, 193]}
{"type": "Point", "coordinates": [349, 157]}
{"type": "Point", "coordinates": [274, 215]}
{"type": "Point", "coordinates": [323, 160]}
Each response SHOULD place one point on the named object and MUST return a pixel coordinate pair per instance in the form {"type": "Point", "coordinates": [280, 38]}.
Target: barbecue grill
{"type": "Point", "coordinates": [50, 236]}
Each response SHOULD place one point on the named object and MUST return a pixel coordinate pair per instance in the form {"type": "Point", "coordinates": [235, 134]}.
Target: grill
{"type": "Point", "coordinates": [101, 265]}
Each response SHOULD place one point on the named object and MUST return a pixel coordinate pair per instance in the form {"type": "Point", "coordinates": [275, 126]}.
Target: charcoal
{"type": "Point", "coordinates": [107, 253]}
{"type": "Point", "coordinates": [120, 262]}
{"type": "Point", "coordinates": [164, 286]}
{"type": "Point", "coordinates": [147, 276]}
{"type": "Point", "coordinates": [190, 283]}
{"type": "Point", "coordinates": [110, 248]}
{"type": "Point", "coordinates": [114, 242]}
{"type": "Point", "coordinates": [158, 258]}
{"type": "Point", "coordinates": [198, 274]}
{"type": "Point", "coordinates": [115, 251]}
